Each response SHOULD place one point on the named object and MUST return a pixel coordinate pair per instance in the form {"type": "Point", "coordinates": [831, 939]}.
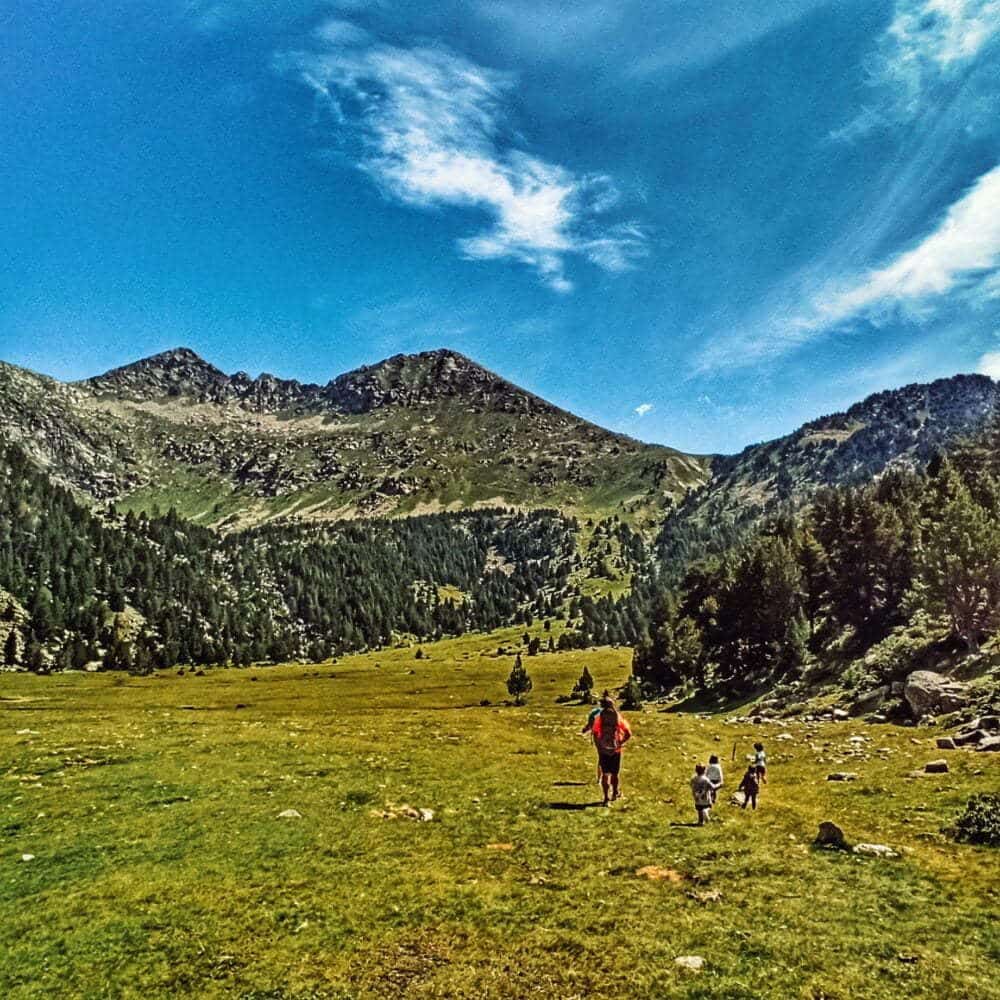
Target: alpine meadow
{"type": "Point", "coordinates": [603, 598]}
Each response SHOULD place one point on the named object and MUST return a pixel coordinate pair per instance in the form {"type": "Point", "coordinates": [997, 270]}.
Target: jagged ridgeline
{"type": "Point", "coordinates": [896, 429]}
{"type": "Point", "coordinates": [413, 434]}
{"type": "Point", "coordinates": [132, 591]}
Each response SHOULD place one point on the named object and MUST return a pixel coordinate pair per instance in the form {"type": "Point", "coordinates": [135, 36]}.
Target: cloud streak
{"type": "Point", "coordinates": [927, 50]}
{"type": "Point", "coordinates": [958, 262]}
{"type": "Point", "coordinates": [430, 128]}
{"type": "Point", "coordinates": [963, 252]}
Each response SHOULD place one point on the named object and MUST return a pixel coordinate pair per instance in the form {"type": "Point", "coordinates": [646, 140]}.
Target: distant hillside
{"type": "Point", "coordinates": [413, 434]}
{"type": "Point", "coordinates": [899, 427]}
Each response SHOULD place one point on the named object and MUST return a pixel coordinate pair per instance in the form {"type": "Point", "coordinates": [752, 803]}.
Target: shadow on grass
{"type": "Point", "coordinates": [573, 806]}
{"type": "Point", "coordinates": [570, 784]}
{"type": "Point", "coordinates": [714, 702]}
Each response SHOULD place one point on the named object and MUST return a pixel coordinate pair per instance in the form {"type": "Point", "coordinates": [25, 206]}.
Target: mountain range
{"type": "Point", "coordinates": [413, 434]}
{"type": "Point", "coordinates": [166, 512]}
{"type": "Point", "coordinates": [432, 432]}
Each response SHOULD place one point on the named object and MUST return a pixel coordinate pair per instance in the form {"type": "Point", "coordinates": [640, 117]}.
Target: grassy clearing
{"type": "Point", "coordinates": [162, 869]}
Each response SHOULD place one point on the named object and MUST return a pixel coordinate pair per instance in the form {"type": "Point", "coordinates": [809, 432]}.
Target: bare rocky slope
{"type": "Point", "coordinates": [412, 434]}
{"type": "Point", "coordinates": [897, 427]}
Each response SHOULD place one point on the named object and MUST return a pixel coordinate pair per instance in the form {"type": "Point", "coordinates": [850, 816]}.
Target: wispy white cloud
{"type": "Point", "coordinates": [956, 263]}
{"type": "Point", "coordinates": [928, 47]}
{"type": "Point", "coordinates": [643, 408]}
{"type": "Point", "coordinates": [430, 128]}
{"type": "Point", "coordinates": [963, 252]}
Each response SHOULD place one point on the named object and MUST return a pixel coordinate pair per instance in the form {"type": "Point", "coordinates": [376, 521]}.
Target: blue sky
{"type": "Point", "coordinates": [699, 223]}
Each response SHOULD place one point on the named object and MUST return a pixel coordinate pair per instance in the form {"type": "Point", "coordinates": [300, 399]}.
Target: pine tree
{"type": "Point", "coordinates": [584, 687]}
{"type": "Point", "coordinates": [631, 695]}
{"type": "Point", "coordinates": [959, 568]}
{"type": "Point", "coordinates": [10, 649]}
{"type": "Point", "coordinates": [34, 658]}
{"type": "Point", "coordinates": [518, 683]}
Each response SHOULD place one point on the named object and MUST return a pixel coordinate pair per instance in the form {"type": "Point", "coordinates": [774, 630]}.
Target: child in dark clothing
{"type": "Point", "coordinates": [750, 786]}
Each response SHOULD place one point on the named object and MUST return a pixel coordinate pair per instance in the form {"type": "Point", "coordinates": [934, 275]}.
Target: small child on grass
{"type": "Point", "coordinates": [714, 774]}
{"type": "Point", "coordinates": [750, 786]}
{"type": "Point", "coordinates": [760, 763]}
{"type": "Point", "coordinates": [701, 788]}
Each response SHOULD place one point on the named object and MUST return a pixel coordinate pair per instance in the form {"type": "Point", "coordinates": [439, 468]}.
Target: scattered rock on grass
{"type": "Point", "coordinates": [875, 850]}
{"type": "Point", "coordinates": [690, 963]}
{"type": "Point", "coordinates": [657, 874]}
{"type": "Point", "coordinates": [500, 847]}
{"type": "Point", "coordinates": [290, 814]}
{"type": "Point", "coordinates": [968, 738]}
{"type": "Point", "coordinates": [936, 767]}
{"type": "Point", "coordinates": [945, 743]}
{"type": "Point", "coordinates": [404, 812]}
{"type": "Point", "coordinates": [842, 776]}
{"type": "Point", "coordinates": [706, 897]}
{"type": "Point", "coordinates": [27, 857]}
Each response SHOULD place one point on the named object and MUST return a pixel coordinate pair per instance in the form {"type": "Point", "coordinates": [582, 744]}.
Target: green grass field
{"type": "Point", "coordinates": [161, 867]}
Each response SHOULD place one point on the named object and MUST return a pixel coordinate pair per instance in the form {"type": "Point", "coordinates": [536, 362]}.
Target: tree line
{"type": "Point", "coordinates": [827, 584]}
{"type": "Point", "coordinates": [135, 591]}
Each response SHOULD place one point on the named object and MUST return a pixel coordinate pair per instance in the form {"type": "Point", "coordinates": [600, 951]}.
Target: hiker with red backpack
{"type": "Point", "coordinates": [588, 726]}
{"type": "Point", "coordinates": [611, 733]}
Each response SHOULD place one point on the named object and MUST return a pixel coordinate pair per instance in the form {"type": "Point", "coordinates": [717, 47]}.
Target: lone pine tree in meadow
{"type": "Point", "coordinates": [10, 649]}
{"type": "Point", "coordinates": [584, 686]}
{"type": "Point", "coordinates": [518, 683]}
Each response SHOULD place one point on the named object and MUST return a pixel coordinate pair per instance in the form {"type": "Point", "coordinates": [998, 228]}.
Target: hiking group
{"type": "Point", "coordinates": [610, 733]}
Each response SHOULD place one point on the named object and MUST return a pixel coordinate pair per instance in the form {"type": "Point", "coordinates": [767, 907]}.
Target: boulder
{"type": "Point", "coordinates": [989, 745]}
{"type": "Point", "coordinates": [927, 692]}
{"type": "Point", "coordinates": [936, 767]}
{"type": "Point", "coordinates": [985, 724]}
{"type": "Point", "coordinates": [830, 835]}
{"type": "Point", "coordinates": [870, 702]}
{"type": "Point", "coordinates": [970, 738]}
{"type": "Point", "coordinates": [945, 743]}
{"type": "Point", "coordinates": [842, 776]}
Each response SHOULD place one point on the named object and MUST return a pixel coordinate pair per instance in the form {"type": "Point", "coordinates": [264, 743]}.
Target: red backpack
{"type": "Point", "coordinates": [607, 731]}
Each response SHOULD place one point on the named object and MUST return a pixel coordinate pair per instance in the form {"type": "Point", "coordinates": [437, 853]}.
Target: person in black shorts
{"type": "Point", "coordinates": [611, 733]}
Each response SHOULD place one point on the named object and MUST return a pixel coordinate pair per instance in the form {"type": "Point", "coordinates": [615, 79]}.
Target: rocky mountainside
{"type": "Point", "coordinates": [412, 434]}
{"type": "Point", "coordinates": [896, 427]}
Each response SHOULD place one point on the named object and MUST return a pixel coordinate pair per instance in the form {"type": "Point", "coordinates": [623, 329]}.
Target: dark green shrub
{"type": "Point", "coordinates": [980, 823]}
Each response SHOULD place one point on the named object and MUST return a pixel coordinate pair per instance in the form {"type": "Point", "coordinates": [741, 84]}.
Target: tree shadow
{"type": "Point", "coordinates": [573, 806]}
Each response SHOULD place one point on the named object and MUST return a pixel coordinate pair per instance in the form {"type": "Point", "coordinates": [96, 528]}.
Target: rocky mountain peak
{"type": "Point", "coordinates": [429, 377]}
{"type": "Point", "coordinates": [175, 372]}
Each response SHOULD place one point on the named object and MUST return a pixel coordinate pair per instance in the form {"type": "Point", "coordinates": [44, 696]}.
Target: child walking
{"type": "Point", "coordinates": [760, 763]}
{"type": "Point", "coordinates": [714, 774]}
{"type": "Point", "coordinates": [701, 788]}
{"type": "Point", "coordinates": [750, 786]}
